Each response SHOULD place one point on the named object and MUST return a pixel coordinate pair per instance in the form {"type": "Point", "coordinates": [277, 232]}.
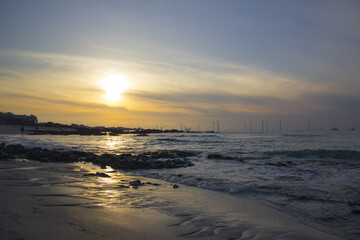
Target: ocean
{"type": "Point", "coordinates": [313, 175]}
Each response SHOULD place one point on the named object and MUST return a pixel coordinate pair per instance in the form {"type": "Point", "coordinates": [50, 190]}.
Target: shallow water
{"type": "Point", "coordinates": [313, 175]}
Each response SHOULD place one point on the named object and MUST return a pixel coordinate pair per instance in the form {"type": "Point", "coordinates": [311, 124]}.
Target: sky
{"type": "Point", "coordinates": [192, 62]}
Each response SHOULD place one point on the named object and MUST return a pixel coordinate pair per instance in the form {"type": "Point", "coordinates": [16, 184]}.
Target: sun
{"type": "Point", "coordinates": [114, 85]}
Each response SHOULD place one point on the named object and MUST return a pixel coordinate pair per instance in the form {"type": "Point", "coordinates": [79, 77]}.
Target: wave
{"type": "Point", "coordinates": [171, 140]}
{"type": "Point", "coordinates": [304, 135]}
{"type": "Point", "coordinates": [320, 153]}
{"type": "Point", "coordinates": [266, 190]}
{"type": "Point", "coordinates": [34, 143]}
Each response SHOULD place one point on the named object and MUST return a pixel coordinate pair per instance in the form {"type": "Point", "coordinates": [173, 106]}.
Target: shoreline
{"type": "Point", "coordinates": [15, 129]}
{"type": "Point", "coordinates": [71, 201]}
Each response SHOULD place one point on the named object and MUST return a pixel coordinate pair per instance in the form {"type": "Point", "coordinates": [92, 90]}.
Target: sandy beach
{"type": "Point", "coordinates": [15, 129]}
{"type": "Point", "coordinates": [70, 201]}
{"type": "Point", "coordinates": [12, 129]}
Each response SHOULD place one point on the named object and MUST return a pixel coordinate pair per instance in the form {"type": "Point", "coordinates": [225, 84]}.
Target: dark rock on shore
{"type": "Point", "coordinates": [355, 211]}
{"type": "Point", "coordinates": [125, 161]}
{"type": "Point", "coordinates": [38, 154]}
{"type": "Point", "coordinates": [5, 156]}
{"type": "Point", "coordinates": [281, 164]}
{"type": "Point", "coordinates": [80, 154]}
{"type": "Point", "coordinates": [98, 174]}
{"type": "Point", "coordinates": [15, 149]}
{"type": "Point", "coordinates": [224, 157]}
{"type": "Point", "coordinates": [136, 183]}
{"type": "Point", "coordinates": [167, 154]}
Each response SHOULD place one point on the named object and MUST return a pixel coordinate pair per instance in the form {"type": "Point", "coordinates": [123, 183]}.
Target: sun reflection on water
{"type": "Point", "coordinates": [113, 143]}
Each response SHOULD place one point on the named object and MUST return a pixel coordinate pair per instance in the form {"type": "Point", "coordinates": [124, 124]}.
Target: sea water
{"type": "Point", "coordinates": [312, 175]}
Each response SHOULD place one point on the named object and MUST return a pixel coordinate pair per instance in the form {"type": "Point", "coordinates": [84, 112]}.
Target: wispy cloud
{"type": "Point", "coordinates": [189, 87]}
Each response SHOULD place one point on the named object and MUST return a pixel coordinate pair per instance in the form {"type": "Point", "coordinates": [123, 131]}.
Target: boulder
{"type": "Point", "coordinates": [15, 149]}
{"type": "Point", "coordinates": [223, 157]}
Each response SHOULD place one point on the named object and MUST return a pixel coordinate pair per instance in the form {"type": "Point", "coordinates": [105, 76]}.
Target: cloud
{"type": "Point", "coordinates": [184, 88]}
{"type": "Point", "coordinates": [59, 101]}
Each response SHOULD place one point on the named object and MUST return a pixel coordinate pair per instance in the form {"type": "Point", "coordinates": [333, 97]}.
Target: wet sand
{"type": "Point", "coordinates": [63, 201]}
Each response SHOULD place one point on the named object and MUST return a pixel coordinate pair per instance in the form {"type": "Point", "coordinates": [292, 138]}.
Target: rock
{"type": "Point", "coordinates": [280, 164]}
{"type": "Point", "coordinates": [215, 156]}
{"type": "Point", "coordinates": [37, 154]}
{"type": "Point", "coordinates": [107, 157]}
{"type": "Point", "coordinates": [175, 186]}
{"type": "Point", "coordinates": [167, 154]}
{"type": "Point", "coordinates": [125, 156]}
{"type": "Point", "coordinates": [355, 211]}
{"type": "Point", "coordinates": [15, 149]}
{"type": "Point", "coordinates": [54, 155]}
{"type": "Point", "coordinates": [98, 174]}
{"type": "Point", "coordinates": [354, 203]}
{"type": "Point", "coordinates": [68, 156]}
{"type": "Point", "coordinates": [125, 161]}
{"type": "Point", "coordinates": [80, 154]}
{"type": "Point", "coordinates": [135, 183]}
{"type": "Point", "coordinates": [183, 153]}
{"type": "Point", "coordinates": [223, 157]}
{"type": "Point", "coordinates": [5, 156]}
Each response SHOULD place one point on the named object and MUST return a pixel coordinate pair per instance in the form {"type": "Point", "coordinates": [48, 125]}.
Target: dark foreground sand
{"type": "Point", "coordinates": [59, 201]}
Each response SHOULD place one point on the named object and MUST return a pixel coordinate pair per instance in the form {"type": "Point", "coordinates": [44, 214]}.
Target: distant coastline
{"type": "Point", "coordinates": [68, 130]}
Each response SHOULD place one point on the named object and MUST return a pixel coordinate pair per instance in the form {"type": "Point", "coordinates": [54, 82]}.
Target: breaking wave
{"type": "Point", "coordinates": [320, 153]}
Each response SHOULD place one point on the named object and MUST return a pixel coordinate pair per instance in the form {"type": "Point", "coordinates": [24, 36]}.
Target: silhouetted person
{"type": "Point", "coordinates": [22, 130]}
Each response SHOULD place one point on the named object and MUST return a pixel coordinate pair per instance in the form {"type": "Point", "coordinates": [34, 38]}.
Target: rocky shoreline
{"type": "Point", "coordinates": [126, 161]}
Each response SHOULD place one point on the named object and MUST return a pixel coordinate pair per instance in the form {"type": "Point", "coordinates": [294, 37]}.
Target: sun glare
{"type": "Point", "coordinates": [113, 86]}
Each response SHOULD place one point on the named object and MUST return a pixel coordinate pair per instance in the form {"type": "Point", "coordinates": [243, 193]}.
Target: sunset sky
{"type": "Point", "coordinates": [147, 63]}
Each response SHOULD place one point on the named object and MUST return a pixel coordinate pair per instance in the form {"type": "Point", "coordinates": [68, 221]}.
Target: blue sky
{"type": "Point", "coordinates": [187, 61]}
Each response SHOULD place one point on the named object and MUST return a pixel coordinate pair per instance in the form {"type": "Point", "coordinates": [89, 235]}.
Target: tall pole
{"type": "Point", "coordinates": [262, 125]}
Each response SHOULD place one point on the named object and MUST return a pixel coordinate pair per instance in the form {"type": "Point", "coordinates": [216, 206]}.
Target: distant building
{"type": "Point", "coordinates": [12, 119]}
